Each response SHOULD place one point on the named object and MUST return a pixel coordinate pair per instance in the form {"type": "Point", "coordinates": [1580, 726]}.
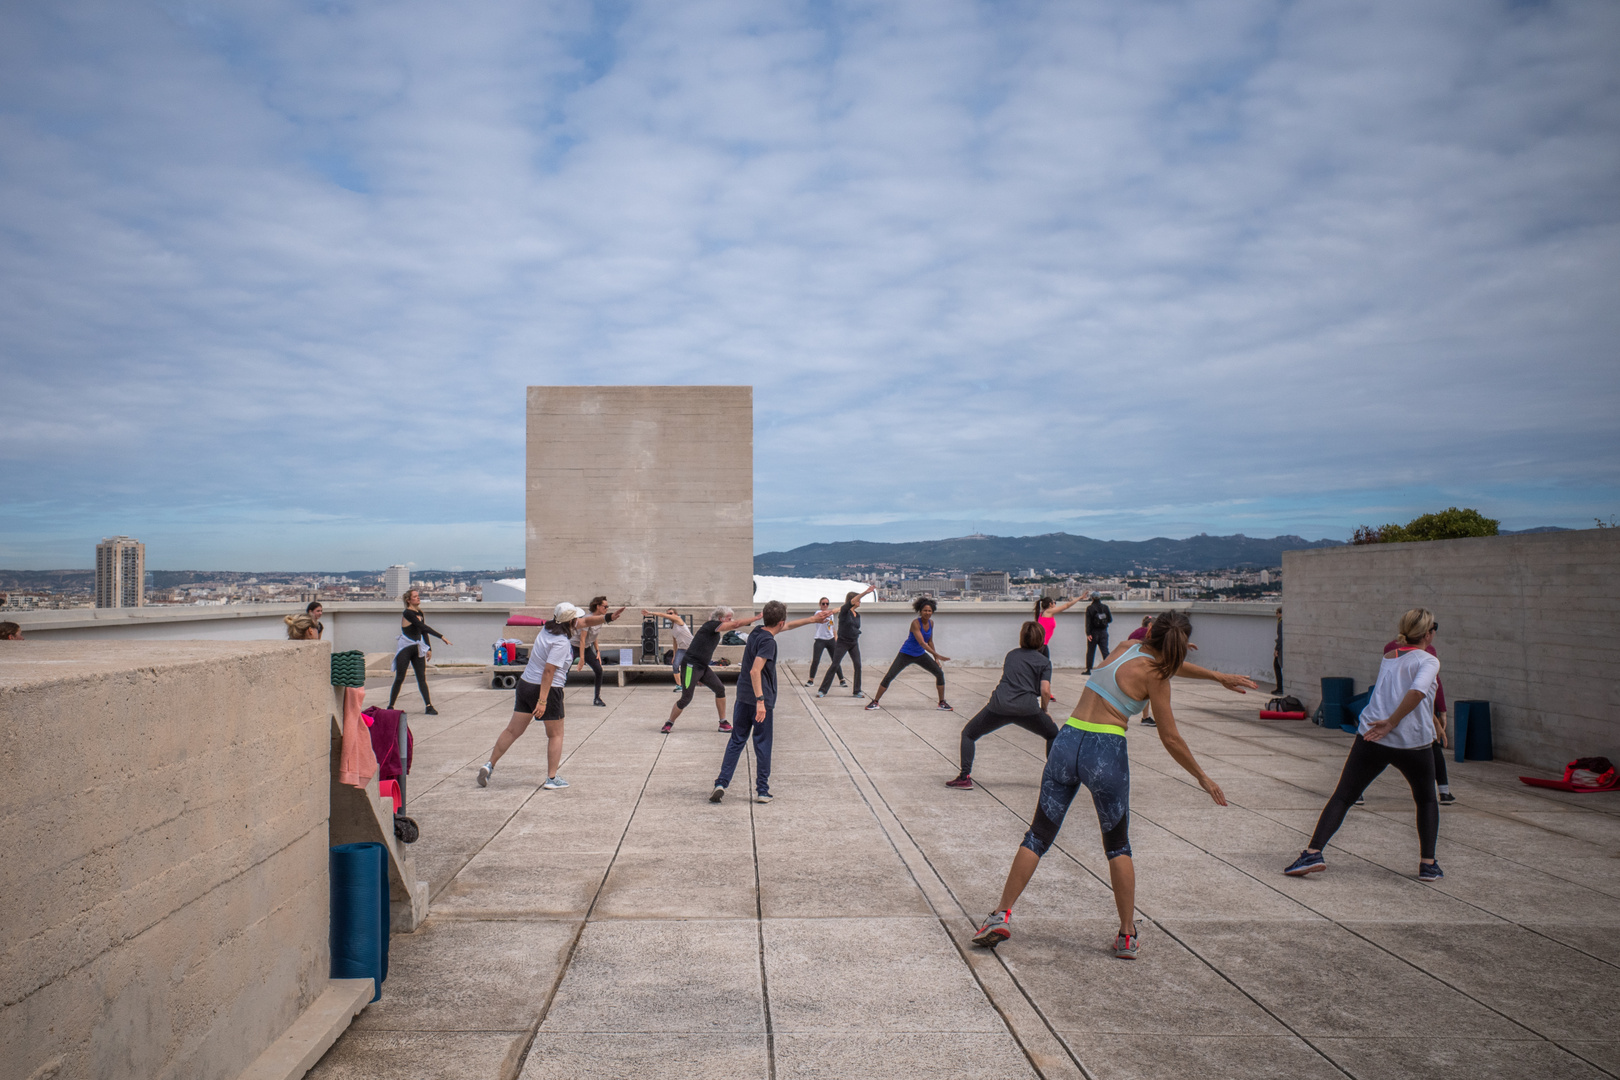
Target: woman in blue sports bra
{"type": "Point", "coordinates": [1090, 750]}
{"type": "Point", "coordinates": [918, 649]}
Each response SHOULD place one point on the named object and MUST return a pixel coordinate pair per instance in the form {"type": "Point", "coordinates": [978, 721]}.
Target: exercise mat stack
{"type": "Point", "coordinates": [349, 668]}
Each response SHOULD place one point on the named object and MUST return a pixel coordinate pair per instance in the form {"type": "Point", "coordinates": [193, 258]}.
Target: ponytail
{"type": "Point", "coordinates": [1168, 637]}
{"type": "Point", "coordinates": [1041, 605]}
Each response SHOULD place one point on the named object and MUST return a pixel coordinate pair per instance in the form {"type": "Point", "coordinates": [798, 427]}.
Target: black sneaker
{"type": "Point", "coordinates": [1430, 871]}
{"type": "Point", "coordinates": [431, 711]}
{"type": "Point", "coordinates": [1148, 721]}
{"type": "Point", "coordinates": [1447, 798]}
{"type": "Point", "coordinates": [600, 702]}
{"type": "Point", "coordinates": [1309, 862]}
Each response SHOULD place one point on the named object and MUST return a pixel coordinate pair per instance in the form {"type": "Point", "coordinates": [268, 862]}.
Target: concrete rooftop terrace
{"type": "Point", "coordinates": [626, 927]}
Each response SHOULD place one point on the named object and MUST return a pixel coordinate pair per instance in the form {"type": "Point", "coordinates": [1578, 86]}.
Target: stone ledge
{"type": "Point", "coordinates": [313, 1033]}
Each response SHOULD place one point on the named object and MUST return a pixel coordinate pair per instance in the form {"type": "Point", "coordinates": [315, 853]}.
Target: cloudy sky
{"type": "Point", "coordinates": [273, 275]}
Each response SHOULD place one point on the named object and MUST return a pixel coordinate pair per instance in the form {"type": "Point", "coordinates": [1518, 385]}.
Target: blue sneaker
{"type": "Point", "coordinates": [1430, 871]}
{"type": "Point", "coordinates": [1307, 863]}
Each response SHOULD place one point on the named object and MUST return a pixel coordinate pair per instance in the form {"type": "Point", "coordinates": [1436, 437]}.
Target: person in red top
{"type": "Point", "coordinates": [1440, 739]}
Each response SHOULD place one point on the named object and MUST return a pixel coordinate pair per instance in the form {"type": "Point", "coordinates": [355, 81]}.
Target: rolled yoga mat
{"type": "Point", "coordinates": [360, 913]}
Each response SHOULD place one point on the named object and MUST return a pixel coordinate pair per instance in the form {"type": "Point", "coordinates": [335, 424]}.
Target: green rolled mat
{"type": "Point", "coordinates": [349, 668]}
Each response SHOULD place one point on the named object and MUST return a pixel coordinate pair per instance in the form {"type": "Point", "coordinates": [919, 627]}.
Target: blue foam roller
{"type": "Point", "coordinates": [359, 931]}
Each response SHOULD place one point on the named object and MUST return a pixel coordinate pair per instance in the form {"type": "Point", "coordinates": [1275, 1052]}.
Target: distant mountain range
{"type": "Point", "coordinates": [1061, 552]}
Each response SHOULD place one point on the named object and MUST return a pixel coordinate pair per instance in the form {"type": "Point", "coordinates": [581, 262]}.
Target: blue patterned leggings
{"type": "Point", "coordinates": [1099, 762]}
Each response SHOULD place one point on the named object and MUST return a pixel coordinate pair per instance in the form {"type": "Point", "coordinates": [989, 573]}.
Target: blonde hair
{"type": "Point", "coordinates": [299, 626]}
{"type": "Point", "coordinates": [1415, 626]}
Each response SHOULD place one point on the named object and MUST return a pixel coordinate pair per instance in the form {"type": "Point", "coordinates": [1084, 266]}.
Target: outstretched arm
{"type": "Point", "coordinates": [1159, 695]}
{"type": "Point", "coordinates": [820, 616]}
{"type": "Point", "coordinates": [1065, 606]}
{"type": "Point", "coordinates": [1240, 684]}
{"type": "Point", "coordinates": [737, 624]}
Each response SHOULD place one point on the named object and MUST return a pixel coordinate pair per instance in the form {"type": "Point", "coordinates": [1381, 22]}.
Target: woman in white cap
{"type": "Point", "coordinates": [542, 685]}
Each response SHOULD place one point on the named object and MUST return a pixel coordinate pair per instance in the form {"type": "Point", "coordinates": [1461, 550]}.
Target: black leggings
{"type": "Point", "coordinates": [401, 666]}
{"type": "Point", "coordinates": [850, 649]}
{"type": "Point", "coordinates": [823, 645]}
{"type": "Point", "coordinates": [594, 659]}
{"type": "Point", "coordinates": [691, 676]}
{"type": "Point", "coordinates": [988, 720]}
{"type": "Point", "coordinates": [1439, 762]}
{"type": "Point", "coordinates": [1366, 761]}
{"type": "Point", "coordinates": [905, 660]}
{"type": "Point", "coordinates": [1093, 646]}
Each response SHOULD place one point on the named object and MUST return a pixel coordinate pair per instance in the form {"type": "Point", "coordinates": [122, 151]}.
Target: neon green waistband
{"type": "Point", "coordinates": [1100, 729]}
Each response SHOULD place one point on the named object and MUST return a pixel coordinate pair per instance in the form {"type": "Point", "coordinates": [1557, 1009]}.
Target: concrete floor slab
{"type": "Point", "coordinates": [469, 976]}
{"type": "Point", "coordinates": [822, 909]}
{"type": "Point", "coordinates": [1442, 1058]}
{"type": "Point", "coordinates": [837, 975]}
{"type": "Point", "coordinates": [659, 976]}
{"type": "Point", "coordinates": [958, 1055]}
{"type": "Point", "coordinates": [643, 1056]}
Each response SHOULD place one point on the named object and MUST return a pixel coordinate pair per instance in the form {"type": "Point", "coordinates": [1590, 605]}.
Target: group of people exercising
{"type": "Point", "coordinates": [1088, 750]}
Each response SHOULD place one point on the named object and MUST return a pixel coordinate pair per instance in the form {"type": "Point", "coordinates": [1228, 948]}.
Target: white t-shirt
{"type": "Point", "coordinates": [1412, 670]}
{"type": "Point", "coordinates": [681, 633]}
{"type": "Point", "coordinates": [549, 648]}
{"type": "Point", "coordinates": [826, 631]}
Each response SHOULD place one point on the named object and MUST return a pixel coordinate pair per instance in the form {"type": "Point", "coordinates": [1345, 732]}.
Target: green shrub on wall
{"type": "Point", "coordinates": [1448, 524]}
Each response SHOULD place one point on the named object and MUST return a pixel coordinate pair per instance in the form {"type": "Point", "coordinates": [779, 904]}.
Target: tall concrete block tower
{"type": "Point", "coordinates": [644, 493]}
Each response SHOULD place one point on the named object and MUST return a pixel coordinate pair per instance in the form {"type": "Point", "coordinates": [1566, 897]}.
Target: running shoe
{"type": "Point", "coordinates": [945, 706]}
{"type": "Point", "coordinates": [1447, 798]}
{"type": "Point", "coordinates": [996, 929]}
{"type": "Point", "coordinates": [1125, 946]}
{"type": "Point", "coordinates": [717, 794]}
{"type": "Point", "coordinates": [1430, 871]}
{"type": "Point", "coordinates": [809, 682]}
{"type": "Point", "coordinates": [821, 693]}
{"type": "Point", "coordinates": [872, 705]}
{"type": "Point", "coordinates": [1148, 721]}
{"type": "Point", "coordinates": [1309, 862]}
{"type": "Point", "coordinates": [857, 694]}
{"type": "Point", "coordinates": [725, 725]}
{"type": "Point", "coordinates": [963, 782]}
{"type": "Point", "coordinates": [600, 702]}
{"type": "Point", "coordinates": [764, 796]}
{"type": "Point", "coordinates": [669, 726]}
{"type": "Point", "coordinates": [553, 783]}
{"type": "Point", "coordinates": [1361, 800]}
{"type": "Point", "coordinates": [841, 682]}
{"type": "Point", "coordinates": [484, 772]}
{"type": "Point", "coordinates": [431, 711]}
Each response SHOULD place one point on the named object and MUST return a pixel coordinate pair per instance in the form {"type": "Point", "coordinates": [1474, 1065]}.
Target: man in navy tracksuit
{"type": "Point", "coordinates": [756, 701]}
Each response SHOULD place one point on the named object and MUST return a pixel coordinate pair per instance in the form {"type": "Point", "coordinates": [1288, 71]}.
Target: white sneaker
{"type": "Point", "coordinates": [484, 772]}
{"type": "Point", "coordinates": [554, 783]}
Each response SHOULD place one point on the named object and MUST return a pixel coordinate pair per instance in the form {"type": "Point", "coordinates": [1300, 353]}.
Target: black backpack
{"type": "Point", "coordinates": [1285, 704]}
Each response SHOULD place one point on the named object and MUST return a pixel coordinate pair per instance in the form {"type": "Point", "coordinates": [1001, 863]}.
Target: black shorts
{"type": "Point", "coordinates": [528, 696]}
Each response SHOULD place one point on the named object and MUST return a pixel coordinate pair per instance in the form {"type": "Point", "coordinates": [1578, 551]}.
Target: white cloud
{"type": "Point", "coordinates": [1205, 265]}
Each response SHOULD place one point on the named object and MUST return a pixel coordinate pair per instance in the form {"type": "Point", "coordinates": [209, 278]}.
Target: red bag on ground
{"type": "Point", "coordinates": [1582, 774]}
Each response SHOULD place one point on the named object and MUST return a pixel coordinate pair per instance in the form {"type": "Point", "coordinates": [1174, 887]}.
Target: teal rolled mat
{"type": "Point", "coordinates": [359, 927]}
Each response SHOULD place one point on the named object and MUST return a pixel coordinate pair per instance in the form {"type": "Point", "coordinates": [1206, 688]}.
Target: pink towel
{"type": "Point", "coordinates": [359, 763]}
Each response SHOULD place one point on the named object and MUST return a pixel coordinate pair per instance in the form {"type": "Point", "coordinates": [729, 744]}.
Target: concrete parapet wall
{"type": "Point", "coordinates": [1230, 637]}
{"type": "Point", "coordinates": [163, 853]}
{"type": "Point", "coordinates": [1529, 623]}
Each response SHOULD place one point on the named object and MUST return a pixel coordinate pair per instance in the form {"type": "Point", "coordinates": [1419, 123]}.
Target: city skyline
{"type": "Point", "coordinates": [1224, 268]}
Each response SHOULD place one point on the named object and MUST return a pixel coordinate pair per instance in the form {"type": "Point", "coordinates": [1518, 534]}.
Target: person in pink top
{"type": "Point", "coordinates": [1046, 612]}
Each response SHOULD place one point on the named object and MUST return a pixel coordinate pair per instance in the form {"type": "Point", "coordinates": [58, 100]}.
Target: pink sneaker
{"type": "Point", "coordinates": [725, 725]}
{"type": "Point", "coordinates": [960, 782]}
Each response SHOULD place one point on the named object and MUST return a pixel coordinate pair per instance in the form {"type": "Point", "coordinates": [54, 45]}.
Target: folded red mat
{"type": "Point", "coordinates": [524, 620]}
{"type": "Point", "coordinates": [1267, 714]}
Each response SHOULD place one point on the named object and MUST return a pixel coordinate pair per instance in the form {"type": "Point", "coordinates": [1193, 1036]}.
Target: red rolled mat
{"type": "Point", "coordinates": [1267, 714]}
{"type": "Point", "coordinates": [525, 620]}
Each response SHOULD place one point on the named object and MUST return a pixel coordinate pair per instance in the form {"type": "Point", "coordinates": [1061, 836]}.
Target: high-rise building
{"type": "Point", "coordinates": [991, 582]}
{"type": "Point", "coordinates": [120, 573]}
{"type": "Point", "coordinates": [396, 579]}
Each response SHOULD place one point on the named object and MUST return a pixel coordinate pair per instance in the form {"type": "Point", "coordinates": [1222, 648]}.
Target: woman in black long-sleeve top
{"type": "Point", "coordinates": [412, 648]}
